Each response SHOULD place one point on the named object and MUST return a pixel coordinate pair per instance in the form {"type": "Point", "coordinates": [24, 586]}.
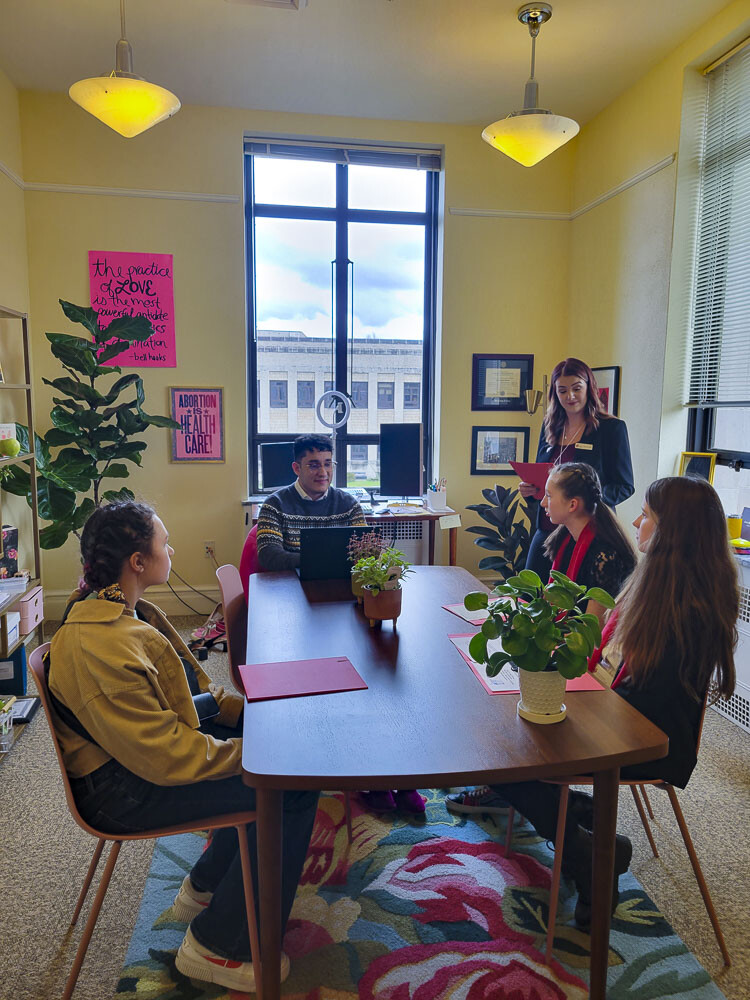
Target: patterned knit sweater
{"type": "Point", "coordinates": [285, 512]}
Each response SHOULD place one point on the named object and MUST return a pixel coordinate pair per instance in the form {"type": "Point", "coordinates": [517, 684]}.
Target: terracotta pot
{"type": "Point", "coordinates": [542, 694]}
{"type": "Point", "coordinates": [383, 606]}
{"type": "Point", "coordinates": [357, 589]}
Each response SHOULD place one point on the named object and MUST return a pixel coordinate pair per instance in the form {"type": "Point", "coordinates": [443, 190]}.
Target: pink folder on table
{"type": "Point", "coordinates": [294, 678]}
{"type": "Point", "coordinates": [533, 472]}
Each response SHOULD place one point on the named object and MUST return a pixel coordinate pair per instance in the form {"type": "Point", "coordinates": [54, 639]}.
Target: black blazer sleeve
{"type": "Point", "coordinates": [616, 471]}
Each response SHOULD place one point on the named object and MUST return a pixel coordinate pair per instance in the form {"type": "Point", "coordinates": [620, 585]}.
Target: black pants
{"type": "Point", "coordinates": [115, 800]}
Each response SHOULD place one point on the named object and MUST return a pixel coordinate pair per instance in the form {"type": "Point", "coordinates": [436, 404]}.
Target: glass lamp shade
{"type": "Point", "coordinates": [528, 138]}
{"type": "Point", "coordinates": [127, 104]}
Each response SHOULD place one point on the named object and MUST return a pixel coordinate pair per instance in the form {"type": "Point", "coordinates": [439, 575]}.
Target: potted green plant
{"type": "Point", "coordinates": [380, 577]}
{"type": "Point", "coordinates": [362, 546]}
{"type": "Point", "coordinates": [507, 534]}
{"type": "Point", "coordinates": [543, 631]}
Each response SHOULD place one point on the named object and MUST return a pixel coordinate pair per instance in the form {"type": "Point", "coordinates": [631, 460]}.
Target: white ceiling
{"type": "Point", "coordinates": [425, 60]}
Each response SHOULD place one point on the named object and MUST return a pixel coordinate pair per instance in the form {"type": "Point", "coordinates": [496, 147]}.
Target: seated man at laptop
{"type": "Point", "coordinates": [310, 502]}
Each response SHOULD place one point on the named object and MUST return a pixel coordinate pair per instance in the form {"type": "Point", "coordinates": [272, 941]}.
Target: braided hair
{"type": "Point", "coordinates": [577, 480]}
{"type": "Point", "coordinates": [110, 536]}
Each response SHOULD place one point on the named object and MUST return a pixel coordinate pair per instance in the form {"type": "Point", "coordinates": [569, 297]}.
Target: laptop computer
{"type": "Point", "coordinates": [323, 552]}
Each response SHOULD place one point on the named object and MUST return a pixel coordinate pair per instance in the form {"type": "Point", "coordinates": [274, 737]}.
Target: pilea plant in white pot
{"type": "Point", "coordinates": [543, 631]}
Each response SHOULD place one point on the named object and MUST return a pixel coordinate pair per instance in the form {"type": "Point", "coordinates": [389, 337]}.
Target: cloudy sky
{"type": "Point", "coordinates": [293, 257]}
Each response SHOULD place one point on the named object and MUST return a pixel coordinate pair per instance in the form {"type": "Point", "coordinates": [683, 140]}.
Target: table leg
{"type": "Point", "coordinates": [452, 542]}
{"type": "Point", "coordinates": [606, 784]}
{"type": "Point", "coordinates": [431, 557]}
{"type": "Point", "coordinates": [269, 810]}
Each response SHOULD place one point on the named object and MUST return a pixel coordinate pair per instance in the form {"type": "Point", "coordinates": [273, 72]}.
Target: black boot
{"type": "Point", "coordinates": [578, 863]}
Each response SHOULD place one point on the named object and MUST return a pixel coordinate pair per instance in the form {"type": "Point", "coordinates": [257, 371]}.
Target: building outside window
{"type": "Point", "coordinates": [411, 395]}
{"type": "Point", "coordinates": [278, 393]}
{"type": "Point", "coordinates": [385, 395]}
{"type": "Point", "coordinates": [341, 291]}
{"type": "Point", "coordinates": [305, 394]}
{"type": "Point", "coordinates": [359, 394]}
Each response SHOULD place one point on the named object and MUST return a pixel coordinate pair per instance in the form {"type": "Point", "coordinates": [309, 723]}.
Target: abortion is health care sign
{"type": "Point", "coordinates": [200, 414]}
{"type": "Point", "coordinates": [136, 284]}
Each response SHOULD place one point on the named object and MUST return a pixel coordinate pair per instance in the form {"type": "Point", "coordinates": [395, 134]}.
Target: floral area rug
{"type": "Point", "coordinates": [424, 910]}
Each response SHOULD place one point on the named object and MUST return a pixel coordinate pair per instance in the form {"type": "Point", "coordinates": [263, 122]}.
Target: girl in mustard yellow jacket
{"type": "Point", "coordinates": [129, 699]}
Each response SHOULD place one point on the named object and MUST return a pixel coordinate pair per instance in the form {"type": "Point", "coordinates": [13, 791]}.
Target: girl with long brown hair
{"type": "Point", "coordinates": [671, 639]}
{"type": "Point", "coordinates": [577, 428]}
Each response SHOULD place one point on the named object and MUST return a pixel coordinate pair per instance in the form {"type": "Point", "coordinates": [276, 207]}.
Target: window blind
{"type": "Point", "coordinates": [362, 154]}
{"type": "Point", "coordinates": [720, 357]}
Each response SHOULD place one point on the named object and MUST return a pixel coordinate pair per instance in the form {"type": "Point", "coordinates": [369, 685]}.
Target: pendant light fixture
{"type": "Point", "coordinates": [126, 102]}
{"type": "Point", "coordinates": [529, 135]}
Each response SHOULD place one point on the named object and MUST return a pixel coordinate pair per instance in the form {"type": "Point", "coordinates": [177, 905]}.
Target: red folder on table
{"type": "Point", "coordinates": [533, 472]}
{"type": "Point", "coordinates": [294, 678]}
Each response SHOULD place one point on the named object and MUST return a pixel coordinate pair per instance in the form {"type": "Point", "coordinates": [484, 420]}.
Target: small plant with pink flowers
{"type": "Point", "coordinates": [368, 543]}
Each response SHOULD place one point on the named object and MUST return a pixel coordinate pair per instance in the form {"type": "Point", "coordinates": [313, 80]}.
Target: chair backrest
{"type": "Point", "coordinates": [249, 559]}
{"type": "Point", "coordinates": [36, 666]}
{"type": "Point", "coordinates": [235, 619]}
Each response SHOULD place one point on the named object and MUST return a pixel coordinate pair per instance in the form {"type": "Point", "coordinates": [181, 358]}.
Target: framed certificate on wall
{"type": "Point", "coordinates": [499, 381]}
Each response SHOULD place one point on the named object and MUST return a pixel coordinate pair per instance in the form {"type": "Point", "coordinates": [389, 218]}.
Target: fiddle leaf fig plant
{"type": "Point", "coordinates": [537, 627]}
{"type": "Point", "coordinates": [94, 432]}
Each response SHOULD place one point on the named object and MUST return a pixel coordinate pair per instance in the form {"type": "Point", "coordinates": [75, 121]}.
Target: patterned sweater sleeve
{"type": "Point", "coordinates": [357, 516]}
{"type": "Point", "coordinates": [270, 537]}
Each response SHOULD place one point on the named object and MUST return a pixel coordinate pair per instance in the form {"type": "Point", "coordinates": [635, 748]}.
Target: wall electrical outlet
{"type": "Point", "coordinates": [209, 549]}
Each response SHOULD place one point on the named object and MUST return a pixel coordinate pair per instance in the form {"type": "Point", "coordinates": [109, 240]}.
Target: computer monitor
{"type": "Point", "coordinates": [276, 464]}
{"type": "Point", "coordinates": [401, 465]}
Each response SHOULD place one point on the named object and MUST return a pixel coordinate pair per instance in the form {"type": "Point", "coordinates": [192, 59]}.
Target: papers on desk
{"type": "Point", "coordinates": [296, 678]}
{"type": "Point", "coordinates": [415, 510]}
{"type": "Point", "coordinates": [506, 681]}
{"type": "Point", "coordinates": [472, 617]}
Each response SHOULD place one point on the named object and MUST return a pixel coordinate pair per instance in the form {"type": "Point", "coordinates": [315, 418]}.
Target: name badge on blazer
{"type": "Point", "coordinates": [585, 447]}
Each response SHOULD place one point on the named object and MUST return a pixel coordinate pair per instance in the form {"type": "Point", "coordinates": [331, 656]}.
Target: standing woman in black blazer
{"type": "Point", "coordinates": [578, 429]}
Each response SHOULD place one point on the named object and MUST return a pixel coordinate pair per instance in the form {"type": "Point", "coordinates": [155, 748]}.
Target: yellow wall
{"type": "Point", "coordinates": [596, 286]}
{"type": "Point", "coordinates": [621, 259]}
{"type": "Point", "coordinates": [504, 281]}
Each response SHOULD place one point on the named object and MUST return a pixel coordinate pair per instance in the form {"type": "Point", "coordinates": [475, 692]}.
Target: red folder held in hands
{"type": "Point", "coordinates": [294, 678]}
{"type": "Point", "coordinates": [533, 472]}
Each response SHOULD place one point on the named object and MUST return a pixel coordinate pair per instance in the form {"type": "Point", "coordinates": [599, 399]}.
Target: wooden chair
{"type": "Point", "coordinates": [635, 786]}
{"type": "Point", "coordinates": [239, 820]}
{"type": "Point", "coordinates": [235, 622]}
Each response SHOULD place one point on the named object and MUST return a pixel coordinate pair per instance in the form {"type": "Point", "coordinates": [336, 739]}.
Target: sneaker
{"type": "Point", "coordinates": [378, 801]}
{"type": "Point", "coordinates": [477, 800]}
{"type": "Point", "coordinates": [189, 902]}
{"type": "Point", "coordinates": [197, 962]}
{"type": "Point", "coordinates": [410, 801]}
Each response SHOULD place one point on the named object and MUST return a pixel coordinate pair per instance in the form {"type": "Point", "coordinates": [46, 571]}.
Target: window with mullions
{"type": "Point", "coordinates": [719, 377]}
{"type": "Point", "coordinates": [341, 294]}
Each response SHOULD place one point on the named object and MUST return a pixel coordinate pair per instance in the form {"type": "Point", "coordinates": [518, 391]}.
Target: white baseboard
{"type": "Point", "coordinates": [55, 601]}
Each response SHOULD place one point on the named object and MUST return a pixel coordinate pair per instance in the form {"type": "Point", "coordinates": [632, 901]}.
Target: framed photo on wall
{"type": "Point", "coordinates": [200, 413]}
{"type": "Point", "coordinates": [608, 382]}
{"type": "Point", "coordinates": [698, 465]}
{"type": "Point", "coordinates": [494, 448]}
{"type": "Point", "coordinates": [499, 381]}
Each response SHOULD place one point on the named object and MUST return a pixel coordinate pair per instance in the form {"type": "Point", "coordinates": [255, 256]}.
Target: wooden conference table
{"type": "Point", "coordinates": [424, 721]}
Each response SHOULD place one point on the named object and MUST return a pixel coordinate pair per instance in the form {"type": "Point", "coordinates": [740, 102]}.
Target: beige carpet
{"type": "Point", "coordinates": [44, 857]}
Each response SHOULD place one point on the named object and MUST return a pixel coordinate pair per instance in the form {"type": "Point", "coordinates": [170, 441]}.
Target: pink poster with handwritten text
{"type": "Point", "coordinates": [136, 284]}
